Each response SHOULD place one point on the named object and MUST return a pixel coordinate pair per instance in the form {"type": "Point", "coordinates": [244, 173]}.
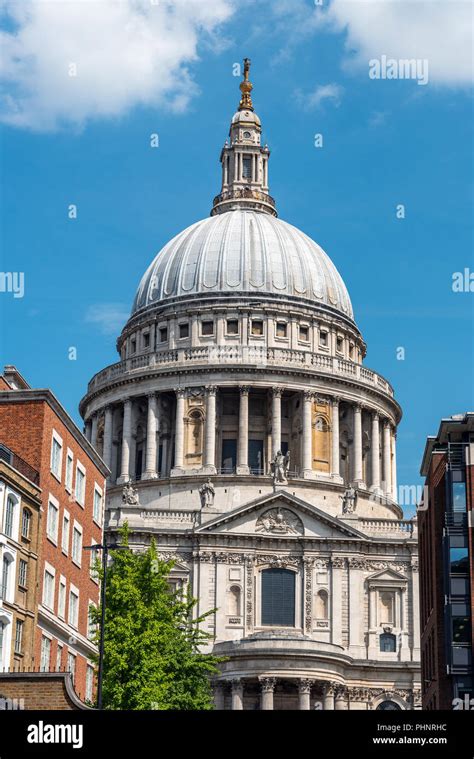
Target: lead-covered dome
{"type": "Point", "coordinates": [242, 251]}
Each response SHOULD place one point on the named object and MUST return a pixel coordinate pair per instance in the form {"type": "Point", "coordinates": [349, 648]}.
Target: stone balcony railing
{"type": "Point", "coordinates": [389, 528]}
{"type": "Point", "coordinates": [258, 356]}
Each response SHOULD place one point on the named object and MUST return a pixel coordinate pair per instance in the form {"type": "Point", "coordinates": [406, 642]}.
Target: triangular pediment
{"type": "Point", "coordinates": [280, 515]}
{"type": "Point", "coordinates": [386, 576]}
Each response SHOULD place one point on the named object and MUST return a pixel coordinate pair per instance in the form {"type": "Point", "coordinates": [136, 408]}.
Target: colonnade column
{"type": "Point", "coordinates": [276, 420]}
{"type": "Point", "coordinates": [304, 694]}
{"type": "Point", "coordinates": [394, 465]}
{"type": "Point", "coordinates": [126, 441]}
{"type": "Point", "coordinates": [307, 458]}
{"type": "Point", "coordinates": [358, 476]}
{"type": "Point", "coordinates": [95, 420]}
{"type": "Point", "coordinates": [386, 459]}
{"type": "Point", "coordinates": [328, 697]}
{"type": "Point", "coordinates": [340, 701]}
{"type": "Point", "coordinates": [150, 472]}
{"type": "Point", "coordinates": [179, 430]}
{"type": "Point", "coordinates": [267, 685]}
{"type": "Point", "coordinates": [335, 470]}
{"type": "Point", "coordinates": [88, 429]}
{"type": "Point", "coordinates": [237, 695]}
{"type": "Point", "coordinates": [375, 453]}
{"type": "Point", "coordinates": [107, 452]}
{"type": "Point", "coordinates": [243, 442]}
{"type": "Point", "coordinates": [210, 438]}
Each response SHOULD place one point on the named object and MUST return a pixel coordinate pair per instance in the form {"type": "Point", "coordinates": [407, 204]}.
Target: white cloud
{"type": "Point", "coordinates": [108, 317]}
{"type": "Point", "coordinates": [311, 100]}
{"type": "Point", "coordinates": [127, 53]}
{"type": "Point", "coordinates": [437, 30]}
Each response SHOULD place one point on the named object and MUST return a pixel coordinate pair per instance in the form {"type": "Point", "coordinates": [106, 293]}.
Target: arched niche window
{"type": "Point", "coordinates": [278, 597]}
{"type": "Point", "coordinates": [234, 601]}
{"type": "Point", "coordinates": [322, 605]}
{"type": "Point", "coordinates": [5, 578]}
{"type": "Point", "coordinates": [387, 608]}
{"type": "Point", "coordinates": [25, 523]}
{"type": "Point", "coordinates": [9, 516]}
{"type": "Point", "coordinates": [388, 643]}
{"type": "Point", "coordinates": [195, 418]}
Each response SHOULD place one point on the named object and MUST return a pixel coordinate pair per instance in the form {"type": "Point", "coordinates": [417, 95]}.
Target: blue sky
{"type": "Point", "coordinates": [385, 142]}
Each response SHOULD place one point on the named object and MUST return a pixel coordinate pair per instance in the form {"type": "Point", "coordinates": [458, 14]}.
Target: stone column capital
{"type": "Point", "coordinates": [244, 389]}
{"type": "Point", "coordinates": [267, 684]}
{"type": "Point", "coordinates": [236, 684]}
{"type": "Point", "coordinates": [180, 392]}
{"type": "Point", "coordinates": [335, 400]}
{"type": "Point", "coordinates": [210, 389]}
{"type": "Point", "coordinates": [308, 395]}
{"type": "Point", "coordinates": [375, 415]}
{"type": "Point", "coordinates": [277, 392]}
{"type": "Point", "coordinates": [305, 685]}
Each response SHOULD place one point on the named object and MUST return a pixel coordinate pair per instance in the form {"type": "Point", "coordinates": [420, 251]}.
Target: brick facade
{"type": "Point", "coordinates": [39, 691]}
{"type": "Point", "coordinates": [29, 419]}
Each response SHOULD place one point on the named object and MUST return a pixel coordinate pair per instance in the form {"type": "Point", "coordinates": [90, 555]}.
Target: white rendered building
{"type": "Point", "coordinates": [242, 347]}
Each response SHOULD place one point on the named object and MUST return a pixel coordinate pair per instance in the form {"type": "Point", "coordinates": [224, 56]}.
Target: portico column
{"type": "Point", "coordinates": [267, 685]}
{"type": "Point", "coordinates": [375, 453]}
{"type": "Point", "coordinates": [340, 698]}
{"type": "Point", "coordinates": [386, 458]}
{"type": "Point", "coordinates": [150, 472]}
{"type": "Point", "coordinates": [304, 693]}
{"type": "Point", "coordinates": [108, 420]}
{"type": "Point", "coordinates": [237, 695]}
{"type": "Point", "coordinates": [358, 443]}
{"type": "Point", "coordinates": [88, 429]}
{"type": "Point", "coordinates": [179, 431]}
{"type": "Point", "coordinates": [276, 420]}
{"type": "Point", "coordinates": [126, 441]}
{"type": "Point", "coordinates": [95, 419]}
{"type": "Point", "coordinates": [394, 465]}
{"type": "Point", "coordinates": [243, 442]}
{"type": "Point", "coordinates": [210, 440]}
{"type": "Point", "coordinates": [307, 432]}
{"type": "Point", "coordinates": [328, 697]}
{"type": "Point", "coordinates": [335, 471]}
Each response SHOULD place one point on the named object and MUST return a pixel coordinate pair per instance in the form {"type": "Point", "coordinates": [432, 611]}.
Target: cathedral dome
{"type": "Point", "coordinates": [243, 252]}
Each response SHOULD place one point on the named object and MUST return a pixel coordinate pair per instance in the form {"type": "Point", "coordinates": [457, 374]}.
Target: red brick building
{"type": "Point", "coordinates": [72, 479]}
{"type": "Point", "coordinates": [446, 550]}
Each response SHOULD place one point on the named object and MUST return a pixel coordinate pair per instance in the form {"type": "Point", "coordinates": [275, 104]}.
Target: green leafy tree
{"type": "Point", "coordinates": [152, 656]}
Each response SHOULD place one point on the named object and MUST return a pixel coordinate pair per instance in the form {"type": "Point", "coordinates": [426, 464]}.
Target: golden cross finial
{"type": "Point", "coordinates": [246, 88]}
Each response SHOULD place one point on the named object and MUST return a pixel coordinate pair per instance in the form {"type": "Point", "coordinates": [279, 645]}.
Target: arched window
{"type": "Point", "coordinates": [233, 601]}
{"type": "Point", "coordinates": [4, 577]}
{"type": "Point", "coordinates": [9, 512]}
{"type": "Point", "coordinates": [2, 640]}
{"type": "Point", "coordinates": [322, 606]}
{"type": "Point", "coordinates": [25, 523]}
{"type": "Point", "coordinates": [278, 597]}
{"type": "Point", "coordinates": [388, 643]}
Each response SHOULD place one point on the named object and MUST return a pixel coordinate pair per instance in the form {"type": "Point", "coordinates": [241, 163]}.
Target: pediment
{"type": "Point", "coordinates": [385, 576]}
{"type": "Point", "coordinates": [280, 515]}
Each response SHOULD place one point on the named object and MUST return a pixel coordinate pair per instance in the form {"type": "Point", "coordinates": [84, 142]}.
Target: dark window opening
{"type": "Point", "coordinates": [278, 597]}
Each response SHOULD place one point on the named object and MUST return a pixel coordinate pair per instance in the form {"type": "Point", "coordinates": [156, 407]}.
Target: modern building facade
{"type": "Point", "coordinates": [262, 453]}
{"type": "Point", "coordinates": [71, 488]}
{"type": "Point", "coordinates": [20, 514]}
{"type": "Point", "coordinates": [446, 565]}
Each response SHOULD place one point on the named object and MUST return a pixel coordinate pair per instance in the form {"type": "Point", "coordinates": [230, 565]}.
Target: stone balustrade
{"type": "Point", "coordinates": [246, 355]}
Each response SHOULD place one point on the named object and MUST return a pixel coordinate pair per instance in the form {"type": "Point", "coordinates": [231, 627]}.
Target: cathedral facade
{"type": "Point", "coordinates": [245, 434]}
